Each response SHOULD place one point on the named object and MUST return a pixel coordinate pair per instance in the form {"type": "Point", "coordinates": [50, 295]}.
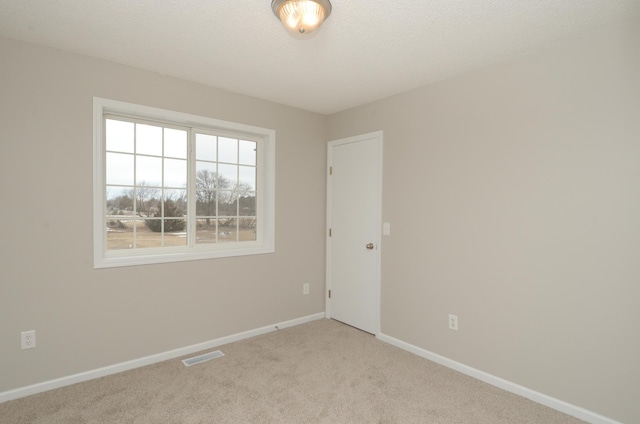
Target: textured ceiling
{"type": "Point", "coordinates": [366, 50]}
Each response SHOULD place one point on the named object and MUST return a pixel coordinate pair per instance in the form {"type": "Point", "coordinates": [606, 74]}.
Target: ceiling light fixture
{"type": "Point", "coordinates": [301, 16]}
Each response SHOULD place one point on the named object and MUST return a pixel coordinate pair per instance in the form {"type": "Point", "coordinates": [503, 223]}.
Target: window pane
{"type": "Point", "coordinates": [147, 200]}
{"type": "Point", "coordinates": [227, 150]}
{"type": "Point", "coordinates": [119, 233]}
{"type": "Point", "coordinates": [206, 170]}
{"type": "Point", "coordinates": [175, 206]}
{"type": "Point", "coordinates": [148, 170]}
{"type": "Point", "coordinates": [147, 233]}
{"type": "Point", "coordinates": [222, 230]}
{"type": "Point", "coordinates": [247, 178]}
{"type": "Point", "coordinates": [206, 206]}
{"type": "Point", "coordinates": [174, 225]}
{"type": "Point", "coordinates": [119, 169]}
{"type": "Point", "coordinates": [247, 205]}
{"type": "Point", "coordinates": [179, 198]}
{"type": "Point", "coordinates": [205, 231]}
{"type": "Point", "coordinates": [227, 203]}
{"type": "Point", "coordinates": [228, 175]}
{"type": "Point", "coordinates": [175, 143]}
{"type": "Point", "coordinates": [206, 147]}
{"type": "Point", "coordinates": [247, 152]}
{"type": "Point", "coordinates": [148, 140]}
{"type": "Point", "coordinates": [175, 173]}
{"type": "Point", "coordinates": [247, 229]}
{"type": "Point", "coordinates": [119, 136]}
{"type": "Point", "coordinates": [227, 231]}
{"type": "Point", "coordinates": [205, 189]}
{"type": "Point", "coordinates": [119, 200]}
{"type": "Point", "coordinates": [174, 236]}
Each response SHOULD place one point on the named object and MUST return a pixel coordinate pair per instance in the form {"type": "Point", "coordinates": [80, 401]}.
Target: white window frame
{"type": "Point", "coordinates": [265, 189]}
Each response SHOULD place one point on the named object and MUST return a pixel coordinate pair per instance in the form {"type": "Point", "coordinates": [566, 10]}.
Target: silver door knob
{"type": "Point", "coordinates": [369, 246]}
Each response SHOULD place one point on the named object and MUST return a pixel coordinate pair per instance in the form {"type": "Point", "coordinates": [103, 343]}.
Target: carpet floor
{"type": "Point", "coordinates": [320, 372]}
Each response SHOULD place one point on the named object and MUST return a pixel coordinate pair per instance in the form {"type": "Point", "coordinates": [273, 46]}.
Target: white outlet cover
{"type": "Point", "coordinates": [453, 322]}
{"type": "Point", "coordinates": [28, 339]}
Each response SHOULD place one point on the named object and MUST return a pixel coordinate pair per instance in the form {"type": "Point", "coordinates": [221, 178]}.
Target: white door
{"type": "Point", "coordinates": [354, 192]}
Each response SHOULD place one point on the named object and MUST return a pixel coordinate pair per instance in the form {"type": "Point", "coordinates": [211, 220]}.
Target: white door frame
{"type": "Point", "coordinates": [378, 135]}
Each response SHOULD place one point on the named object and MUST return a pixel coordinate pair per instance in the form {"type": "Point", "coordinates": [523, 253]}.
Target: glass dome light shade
{"type": "Point", "coordinates": [301, 16]}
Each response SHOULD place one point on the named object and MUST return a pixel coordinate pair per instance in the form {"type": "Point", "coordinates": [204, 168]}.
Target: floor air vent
{"type": "Point", "coordinates": [202, 358]}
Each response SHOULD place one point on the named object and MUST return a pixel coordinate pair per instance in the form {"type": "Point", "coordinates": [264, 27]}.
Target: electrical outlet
{"type": "Point", "coordinates": [453, 322]}
{"type": "Point", "coordinates": [305, 288]}
{"type": "Point", "coordinates": [28, 339]}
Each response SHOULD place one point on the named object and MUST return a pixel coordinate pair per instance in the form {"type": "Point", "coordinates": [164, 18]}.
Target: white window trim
{"type": "Point", "coordinates": [265, 187]}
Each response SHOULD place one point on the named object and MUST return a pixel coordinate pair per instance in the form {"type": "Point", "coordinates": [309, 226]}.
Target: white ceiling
{"type": "Point", "coordinates": [366, 50]}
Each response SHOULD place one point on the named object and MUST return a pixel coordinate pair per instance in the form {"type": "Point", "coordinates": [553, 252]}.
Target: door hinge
{"type": "Point", "coordinates": [329, 232]}
{"type": "Point", "coordinates": [329, 294]}
{"type": "Point", "coordinates": [331, 170]}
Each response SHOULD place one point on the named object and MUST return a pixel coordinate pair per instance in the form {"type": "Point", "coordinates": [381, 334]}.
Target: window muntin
{"type": "Point", "coordinates": [171, 187]}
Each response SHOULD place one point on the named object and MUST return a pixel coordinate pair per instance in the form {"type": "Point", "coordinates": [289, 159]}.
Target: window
{"type": "Point", "coordinates": [171, 187]}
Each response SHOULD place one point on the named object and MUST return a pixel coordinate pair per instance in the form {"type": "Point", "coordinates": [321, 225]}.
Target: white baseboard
{"type": "Point", "coordinates": [558, 405]}
{"type": "Point", "coordinates": [148, 360]}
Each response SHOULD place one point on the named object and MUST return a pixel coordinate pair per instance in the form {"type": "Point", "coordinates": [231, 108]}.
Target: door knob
{"type": "Point", "coordinates": [369, 246]}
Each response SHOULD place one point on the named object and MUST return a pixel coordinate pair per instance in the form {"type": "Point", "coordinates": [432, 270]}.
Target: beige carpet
{"type": "Point", "coordinates": [320, 372]}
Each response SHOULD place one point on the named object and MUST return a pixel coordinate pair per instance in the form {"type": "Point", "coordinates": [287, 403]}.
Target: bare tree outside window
{"type": "Point", "coordinates": [147, 198]}
{"type": "Point", "coordinates": [209, 186]}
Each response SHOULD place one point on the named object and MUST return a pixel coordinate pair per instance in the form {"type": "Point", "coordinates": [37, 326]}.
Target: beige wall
{"type": "Point", "coordinates": [513, 194]}
{"type": "Point", "coordinates": [88, 318]}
